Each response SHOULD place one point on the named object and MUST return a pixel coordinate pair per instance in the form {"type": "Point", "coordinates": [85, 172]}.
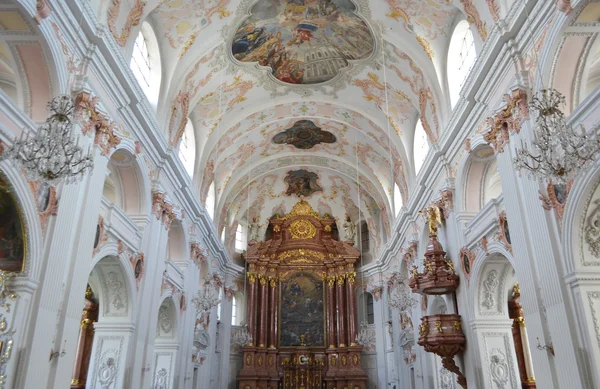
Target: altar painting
{"type": "Point", "coordinates": [302, 312]}
{"type": "Point", "coordinates": [12, 238]}
{"type": "Point", "coordinates": [303, 41]}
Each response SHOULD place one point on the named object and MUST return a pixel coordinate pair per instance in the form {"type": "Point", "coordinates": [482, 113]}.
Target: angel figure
{"type": "Point", "coordinates": [434, 218]}
{"type": "Point", "coordinates": [253, 230]}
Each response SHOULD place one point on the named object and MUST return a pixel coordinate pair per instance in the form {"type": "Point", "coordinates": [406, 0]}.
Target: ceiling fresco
{"type": "Point", "coordinates": [303, 41]}
{"type": "Point", "coordinates": [273, 123]}
{"type": "Point", "coordinates": [304, 135]}
{"type": "Point", "coordinates": [302, 183]}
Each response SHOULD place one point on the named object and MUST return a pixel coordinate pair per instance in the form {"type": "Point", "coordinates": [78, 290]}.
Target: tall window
{"type": "Point", "coordinates": [397, 199]}
{"type": "Point", "coordinates": [240, 238]}
{"type": "Point", "coordinates": [370, 310]}
{"type": "Point", "coordinates": [364, 238]}
{"type": "Point", "coordinates": [234, 311]}
{"type": "Point", "coordinates": [421, 146]}
{"type": "Point", "coordinates": [461, 57]}
{"type": "Point", "coordinates": [187, 148]}
{"type": "Point", "coordinates": [210, 201]}
{"type": "Point", "coordinates": [145, 63]}
{"type": "Point", "coordinates": [140, 61]}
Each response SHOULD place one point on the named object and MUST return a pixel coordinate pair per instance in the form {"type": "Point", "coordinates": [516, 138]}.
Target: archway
{"type": "Point", "coordinates": [499, 326]}
{"type": "Point", "coordinates": [165, 346]}
{"type": "Point", "coordinates": [112, 289]}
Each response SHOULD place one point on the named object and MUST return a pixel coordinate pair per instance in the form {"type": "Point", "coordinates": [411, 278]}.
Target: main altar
{"type": "Point", "coordinates": [302, 307]}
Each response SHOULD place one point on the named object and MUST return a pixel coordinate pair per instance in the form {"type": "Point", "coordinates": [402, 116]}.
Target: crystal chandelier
{"type": "Point", "coordinates": [560, 151]}
{"type": "Point", "coordinates": [400, 296]}
{"type": "Point", "coordinates": [206, 298]}
{"type": "Point", "coordinates": [241, 336]}
{"type": "Point", "coordinates": [51, 155]}
{"type": "Point", "coordinates": [364, 336]}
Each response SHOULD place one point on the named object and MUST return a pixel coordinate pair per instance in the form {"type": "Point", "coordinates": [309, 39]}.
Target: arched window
{"type": "Point", "coordinates": [397, 199]}
{"type": "Point", "coordinates": [145, 63]}
{"type": "Point", "coordinates": [461, 57]}
{"type": "Point", "coordinates": [240, 238]}
{"type": "Point", "coordinates": [364, 237]}
{"type": "Point", "coordinates": [421, 146]}
{"type": "Point", "coordinates": [187, 148]}
{"type": "Point", "coordinates": [234, 320]}
{"type": "Point", "coordinates": [370, 309]}
{"type": "Point", "coordinates": [210, 201]}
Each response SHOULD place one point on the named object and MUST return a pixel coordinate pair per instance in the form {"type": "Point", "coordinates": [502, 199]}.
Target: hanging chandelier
{"type": "Point", "coordinates": [206, 298]}
{"type": "Point", "coordinates": [51, 155]}
{"type": "Point", "coordinates": [241, 336]}
{"type": "Point", "coordinates": [560, 151]}
{"type": "Point", "coordinates": [400, 295]}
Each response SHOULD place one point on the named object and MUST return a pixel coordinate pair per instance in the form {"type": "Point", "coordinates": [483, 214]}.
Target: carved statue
{"type": "Point", "coordinates": [253, 230]}
{"type": "Point", "coordinates": [349, 230]}
{"type": "Point", "coordinates": [434, 218]}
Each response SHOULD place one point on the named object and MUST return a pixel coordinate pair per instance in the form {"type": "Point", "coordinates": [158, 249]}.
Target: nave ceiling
{"type": "Point", "coordinates": [390, 73]}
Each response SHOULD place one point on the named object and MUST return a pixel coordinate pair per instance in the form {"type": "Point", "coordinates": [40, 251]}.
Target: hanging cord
{"type": "Point", "coordinates": [389, 138]}
{"type": "Point", "coordinates": [362, 279]}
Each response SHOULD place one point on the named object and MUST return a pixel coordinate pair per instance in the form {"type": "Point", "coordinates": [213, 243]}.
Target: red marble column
{"type": "Point", "coordinates": [273, 312]}
{"type": "Point", "coordinates": [351, 300]}
{"type": "Point", "coordinates": [331, 311]}
{"type": "Point", "coordinates": [252, 308]}
{"type": "Point", "coordinates": [341, 312]}
{"type": "Point", "coordinates": [262, 336]}
{"type": "Point", "coordinates": [84, 344]}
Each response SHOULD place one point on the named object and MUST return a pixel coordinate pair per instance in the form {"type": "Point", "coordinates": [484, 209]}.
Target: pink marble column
{"type": "Point", "coordinates": [351, 300]}
{"type": "Point", "coordinates": [331, 311]}
{"type": "Point", "coordinates": [252, 307]}
{"type": "Point", "coordinates": [262, 336]}
{"type": "Point", "coordinates": [273, 311]}
{"type": "Point", "coordinates": [341, 312]}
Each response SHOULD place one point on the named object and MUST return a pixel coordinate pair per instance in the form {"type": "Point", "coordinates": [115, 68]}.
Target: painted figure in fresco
{"type": "Point", "coordinates": [12, 247]}
{"type": "Point", "coordinates": [302, 183]}
{"type": "Point", "coordinates": [349, 230]}
{"type": "Point", "coordinates": [302, 312]}
{"type": "Point", "coordinates": [295, 37]}
{"type": "Point", "coordinates": [253, 230]}
{"type": "Point", "coordinates": [304, 135]}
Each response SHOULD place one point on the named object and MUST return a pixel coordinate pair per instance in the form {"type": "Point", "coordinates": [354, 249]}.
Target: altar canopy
{"type": "Point", "coordinates": [302, 306]}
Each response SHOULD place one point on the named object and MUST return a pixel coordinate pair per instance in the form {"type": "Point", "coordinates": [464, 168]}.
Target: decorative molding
{"type": "Point", "coordinates": [503, 233]}
{"type": "Point", "coordinates": [163, 210]}
{"type": "Point", "coordinates": [499, 368]}
{"type": "Point", "coordinates": [467, 260]}
{"type": "Point", "coordinates": [489, 289]}
{"type": "Point", "coordinates": [507, 121]}
{"type": "Point", "coordinates": [101, 236]}
{"type": "Point", "coordinates": [92, 120]}
{"type": "Point", "coordinates": [564, 6]}
{"type": "Point", "coordinates": [592, 230]}
{"type": "Point", "coordinates": [133, 19]}
{"type": "Point", "coordinates": [138, 265]}
{"type": "Point", "coordinates": [198, 254]}
{"type": "Point", "coordinates": [165, 323]}
{"type": "Point", "coordinates": [556, 198]}
{"type": "Point", "coordinates": [46, 201]}
{"type": "Point", "coordinates": [42, 11]}
{"type": "Point", "coordinates": [596, 320]}
{"type": "Point", "coordinates": [410, 254]}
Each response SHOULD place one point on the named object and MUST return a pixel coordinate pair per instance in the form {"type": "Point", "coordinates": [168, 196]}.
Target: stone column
{"type": "Point", "coordinates": [341, 312]}
{"type": "Point", "coordinates": [262, 337]}
{"type": "Point", "coordinates": [252, 307]}
{"type": "Point", "coordinates": [351, 301]}
{"type": "Point", "coordinates": [331, 308]}
{"type": "Point", "coordinates": [84, 344]}
{"type": "Point", "coordinates": [273, 312]}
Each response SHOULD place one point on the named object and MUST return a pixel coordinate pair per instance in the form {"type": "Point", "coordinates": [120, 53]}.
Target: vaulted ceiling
{"type": "Point", "coordinates": [330, 87]}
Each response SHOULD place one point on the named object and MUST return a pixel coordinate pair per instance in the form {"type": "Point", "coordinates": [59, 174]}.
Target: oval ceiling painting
{"type": "Point", "coordinates": [303, 41]}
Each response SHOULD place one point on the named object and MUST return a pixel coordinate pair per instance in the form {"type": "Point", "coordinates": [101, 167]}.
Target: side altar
{"type": "Point", "coordinates": [302, 310]}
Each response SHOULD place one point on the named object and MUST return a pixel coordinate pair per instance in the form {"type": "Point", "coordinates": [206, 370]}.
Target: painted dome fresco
{"type": "Point", "coordinates": [303, 41]}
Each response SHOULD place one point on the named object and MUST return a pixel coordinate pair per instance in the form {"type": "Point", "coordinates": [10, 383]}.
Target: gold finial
{"type": "Point", "coordinates": [88, 293]}
{"type": "Point", "coordinates": [302, 340]}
